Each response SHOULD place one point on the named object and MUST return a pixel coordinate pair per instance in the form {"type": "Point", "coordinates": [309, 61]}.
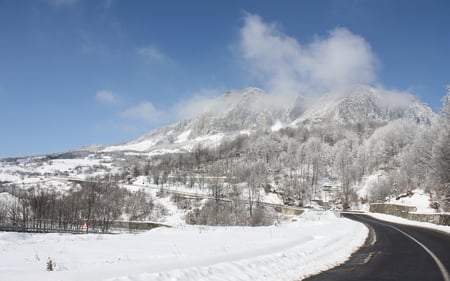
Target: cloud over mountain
{"type": "Point", "coordinates": [143, 112]}
{"type": "Point", "coordinates": [287, 66]}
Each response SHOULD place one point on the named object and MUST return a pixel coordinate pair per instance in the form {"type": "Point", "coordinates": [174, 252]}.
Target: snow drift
{"type": "Point", "coordinates": [314, 243]}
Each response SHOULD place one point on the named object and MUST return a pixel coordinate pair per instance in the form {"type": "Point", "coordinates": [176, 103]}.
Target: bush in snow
{"type": "Point", "coordinates": [50, 265]}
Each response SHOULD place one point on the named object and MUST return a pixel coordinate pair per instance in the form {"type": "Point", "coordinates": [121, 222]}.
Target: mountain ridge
{"type": "Point", "coordinates": [250, 110]}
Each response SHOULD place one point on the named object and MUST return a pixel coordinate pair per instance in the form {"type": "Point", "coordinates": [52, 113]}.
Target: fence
{"type": "Point", "coordinates": [39, 230]}
{"type": "Point", "coordinates": [132, 226]}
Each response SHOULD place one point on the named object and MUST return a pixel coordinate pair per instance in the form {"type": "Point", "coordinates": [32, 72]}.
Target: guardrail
{"type": "Point", "coordinates": [115, 225]}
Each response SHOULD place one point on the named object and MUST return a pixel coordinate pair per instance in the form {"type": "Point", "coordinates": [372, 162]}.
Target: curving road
{"type": "Point", "coordinates": [395, 252]}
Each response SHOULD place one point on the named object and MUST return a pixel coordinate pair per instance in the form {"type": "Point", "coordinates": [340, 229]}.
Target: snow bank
{"type": "Point", "coordinates": [419, 199]}
{"type": "Point", "coordinates": [286, 252]}
{"type": "Point", "coordinates": [400, 220]}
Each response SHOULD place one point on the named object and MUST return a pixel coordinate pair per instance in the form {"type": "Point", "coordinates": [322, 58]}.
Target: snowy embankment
{"type": "Point", "coordinates": [395, 219]}
{"type": "Point", "coordinates": [417, 198]}
{"type": "Point", "coordinates": [289, 251]}
{"type": "Point", "coordinates": [421, 201]}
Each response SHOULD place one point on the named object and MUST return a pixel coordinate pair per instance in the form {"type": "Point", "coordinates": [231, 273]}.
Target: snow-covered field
{"type": "Point", "coordinates": [52, 173]}
{"type": "Point", "coordinates": [290, 251]}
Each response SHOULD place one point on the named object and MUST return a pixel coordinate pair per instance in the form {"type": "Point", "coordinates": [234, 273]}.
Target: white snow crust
{"type": "Point", "coordinates": [290, 251]}
{"type": "Point", "coordinates": [400, 220]}
{"type": "Point", "coordinates": [419, 199]}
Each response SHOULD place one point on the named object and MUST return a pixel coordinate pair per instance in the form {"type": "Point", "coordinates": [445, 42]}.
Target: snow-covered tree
{"type": "Point", "coordinates": [343, 162]}
{"type": "Point", "coordinates": [440, 156]}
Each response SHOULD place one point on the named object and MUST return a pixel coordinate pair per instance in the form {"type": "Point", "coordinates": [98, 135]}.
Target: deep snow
{"type": "Point", "coordinates": [399, 220]}
{"type": "Point", "coordinates": [312, 243]}
{"type": "Point", "coordinates": [419, 199]}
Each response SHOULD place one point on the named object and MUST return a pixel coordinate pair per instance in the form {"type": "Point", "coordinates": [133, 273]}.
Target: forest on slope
{"type": "Point", "coordinates": [292, 161]}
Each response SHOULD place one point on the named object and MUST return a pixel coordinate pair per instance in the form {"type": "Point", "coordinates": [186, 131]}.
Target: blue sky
{"type": "Point", "coordinates": [82, 72]}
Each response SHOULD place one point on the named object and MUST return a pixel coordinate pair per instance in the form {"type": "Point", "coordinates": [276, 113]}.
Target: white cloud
{"type": "Point", "coordinates": [288, 67]}
{"type": "Point", "coordinates": [106, 97]}
{"type": "Point", "coordinates": [202, 102]}
{"type": "Point", "coordinates": [284, 65]}
{"type": "Point", "coordinates": [59, 3]}
{"type": "Point", "coordinates": [395, 98]}
{"type": "Point", "coordinates": [151, 53]}
{"type": "Point", "coordinates": [144, 112]}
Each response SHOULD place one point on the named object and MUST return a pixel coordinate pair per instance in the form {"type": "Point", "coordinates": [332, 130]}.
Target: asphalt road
{"type": "Point", "coordinates": [398, 253]}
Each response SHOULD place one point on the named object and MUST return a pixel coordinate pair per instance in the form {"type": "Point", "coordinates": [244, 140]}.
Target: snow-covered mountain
{"type": "Point", "coordinates": [251, 110]}
{"type": "Point", "coordinates": [365, 105]}
{"type": "Point", "coordinates": [232, 114]}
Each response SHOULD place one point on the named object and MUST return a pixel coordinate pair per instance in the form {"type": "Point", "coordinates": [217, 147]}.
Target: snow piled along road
{"type": "Point", "coordinates": [291, 251]}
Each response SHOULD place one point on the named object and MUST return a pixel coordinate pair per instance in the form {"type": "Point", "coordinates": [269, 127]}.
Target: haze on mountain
{"type": "Point", "coordinates": [252, 110]}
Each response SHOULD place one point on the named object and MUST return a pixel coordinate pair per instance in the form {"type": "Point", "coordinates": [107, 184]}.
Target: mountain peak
{"type": "Point", "coordinates": [362, 103]}
{"type": "Point", "coordinates": [252, 95]}
{"type": "Point", "coordinates": [251, 110]}
{"type": "Point", "coordinates": [245, 91]}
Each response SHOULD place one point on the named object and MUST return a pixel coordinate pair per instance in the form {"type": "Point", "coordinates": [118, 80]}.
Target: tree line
{"type": "Point", "coordinates": [405, 153]}
{"type": "Point", "coordinates": [91, 206]}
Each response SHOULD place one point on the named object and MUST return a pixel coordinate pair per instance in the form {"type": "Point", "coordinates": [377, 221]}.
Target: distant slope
{"type": "Point", "coordinates": [234, 113]}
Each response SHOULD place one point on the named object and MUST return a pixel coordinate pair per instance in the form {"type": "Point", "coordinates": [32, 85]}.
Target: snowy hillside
{"type": "Point", "coordinates": [228, 116]}
{"type": "Point", "coordinates": [299, 140]}
{"type": "Point", "coordinates": [53, 172]}
{"type": "Point", "coordinates": [247, 160]}
{"type": "Point", "coordinates": [251, 110]}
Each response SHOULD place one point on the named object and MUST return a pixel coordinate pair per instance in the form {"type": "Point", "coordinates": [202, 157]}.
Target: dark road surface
{"type": "Point", "coordinates": [400, 252]}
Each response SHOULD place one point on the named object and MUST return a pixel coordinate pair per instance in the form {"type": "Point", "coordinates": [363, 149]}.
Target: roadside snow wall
{"type": "Point", "coordinates": [409, 212]}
